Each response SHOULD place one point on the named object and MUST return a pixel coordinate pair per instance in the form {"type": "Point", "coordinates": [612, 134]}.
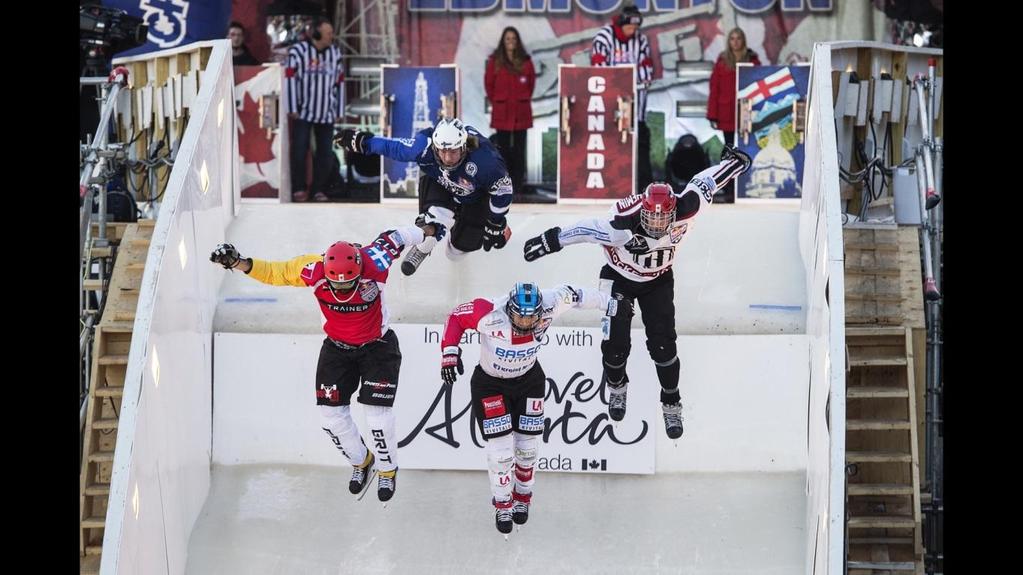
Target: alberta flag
{"type": "Point", "coordinates": [780, 81]}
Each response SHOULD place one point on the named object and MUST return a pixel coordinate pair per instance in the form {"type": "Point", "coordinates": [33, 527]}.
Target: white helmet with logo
{"type": "Point", "coordinates": [449, 134]}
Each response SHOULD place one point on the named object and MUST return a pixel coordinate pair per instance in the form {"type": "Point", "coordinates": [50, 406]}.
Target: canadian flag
{"type": "Point", "coordinates": [776, 83]}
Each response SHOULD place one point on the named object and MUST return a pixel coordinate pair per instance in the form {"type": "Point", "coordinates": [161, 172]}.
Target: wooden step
{"type": "Point", "coordinates": [875, 424]}
{"type": "Point", "coordinates": [93, 549]}
{"type": "Point", "coordinates": [882, 565]}
{"type": "Point", "coordinates": [875, 361]}
{"type": "Point", "coordinates": [139, 243]}
{"type": "Point", "coordinates": [861, 489]}
{"type": "Point", "coordinates": [92, 284]}
{"type": "Point", "coordinates": [94, 522]}
{"type": "Point", "coordinates": [97, 489]}
{"type": "Point", "coordinates": [106, 423]}
{"type": "Point", "coordinates": [117, 326]}
{"type": "Point", "coordinates": [101, 456]}
{"type": "Point", "coordinates": [871, 271]}
{"type": "Point", "coordinates": [102, 251]}
{"type": "Point", "coordinates": [113, 360]}
{"type": "Point", "coordinates": [123, 316]}
{"type": "Point", "coordinates": [868, 392]}
{"type": "Point", "coordinates": [135, 267]}
{"type": "Point", "coordinates": [110, 391]}
{"type": "Point", "coordinates": [878, 457]}
{"type": "Point", "coordinates": [881, 541]}
{"type": "Point", "coordinates": [874, 319]}
{"type": "Point", "coordinates": [89, 565]}
{"type": "Point", "coordinates": [884, 298]}
{"type": "Point", "coordinates": [881, 522]}
{"type": "Point", "coordinates": [874, 331]}
{"type": "Point", "coordinates": [871, 247]}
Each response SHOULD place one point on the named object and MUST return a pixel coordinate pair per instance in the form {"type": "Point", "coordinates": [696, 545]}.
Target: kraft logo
{"type": "Point", "coordinates": [497, 424]}
{"type": "Point", "coordinates": [167, 20]}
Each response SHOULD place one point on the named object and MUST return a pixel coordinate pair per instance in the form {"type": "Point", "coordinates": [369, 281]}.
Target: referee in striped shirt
{"type": "Point", "coordinates": [315, 102]}
{"type": "Point", "coordinates": [620, 43]}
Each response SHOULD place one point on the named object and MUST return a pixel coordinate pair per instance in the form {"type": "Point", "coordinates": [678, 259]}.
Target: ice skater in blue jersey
{"type": "Point", "coordinates": [465, 185]}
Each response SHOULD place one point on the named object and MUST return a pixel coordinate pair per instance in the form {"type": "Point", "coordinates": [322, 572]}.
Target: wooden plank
{"type": "Point", "coordinates": [874, 392]}
{"type": "Point", "coordinates": [878, 456]}
{"type": "Point", "coordinates": [920, 387]}
{"type": "Point", "coordinates": [912, 284]}
{"type": "Point", "coordinates": [860, 270]}
{"type": "Point", "coordinates": [891, 298]}
{"type": "Point", "coordinates": [101, 456]}
{"type": "Point", "coordinates": [880, 541]}
{"type": "Point", "coordinates": [874, 331]}
{"type": "Point", "coordinates": [93, 522]}
{"type": "Point", "coordinates": [868, 246]}
{"type": "Point", "coordinates": [861, 489]}
{"type": "Point", "coordinates": [97, 489]}
{"type": "Point", "coordinates": [101, 251]}
{"type": "Point", "coordinates": [876, 424]}
{"type": "Point", "coordinates": [110, 392]}
{"type": "Point", "coordinates": [913, 444]}
{"type": "Point", "coordinates": [882, 565]}
{"type": "Point", "coordinates": [876, 361]}
{"type": "Point", "coordinates": [881, 522]}
{"type": "Point", "coordinates": [89, 565]}
{"type": "Point", "coordinates": [113, 360]}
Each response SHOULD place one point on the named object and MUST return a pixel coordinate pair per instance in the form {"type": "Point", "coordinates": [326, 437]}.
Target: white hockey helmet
{"type": "Point", "coordinates": [449, 134]}
{"type": "Point", "coordinates": [449, 138]}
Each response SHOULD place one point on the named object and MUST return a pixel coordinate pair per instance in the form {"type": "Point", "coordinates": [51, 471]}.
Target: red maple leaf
{"type": "Point", "coordinates": [253, 145]}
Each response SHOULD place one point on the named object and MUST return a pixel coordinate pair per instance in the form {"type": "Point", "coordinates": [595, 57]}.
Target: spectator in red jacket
{"type": "Point", "coordinates": [509, 81]}
{"type": "Point", "coordinates": [721, 102]}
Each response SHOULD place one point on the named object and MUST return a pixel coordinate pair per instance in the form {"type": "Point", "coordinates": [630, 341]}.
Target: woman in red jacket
{"type": "Point", "coordinates": [509, 82]}
{"type": "Point", "coordinates": [721, 102]}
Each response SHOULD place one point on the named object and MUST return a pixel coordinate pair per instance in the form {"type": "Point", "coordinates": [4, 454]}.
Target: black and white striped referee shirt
{"type": "Point", "coordinates": [315, 88]}
{"type": "Point", "coordinates": [609, 49]}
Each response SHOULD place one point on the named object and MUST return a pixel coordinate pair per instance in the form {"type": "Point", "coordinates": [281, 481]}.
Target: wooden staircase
{"type": "Point", "coordinates": [110, 361]}
{"type": "Point", "coordinates": [884, 321]}
{"type": "Point", "coordinates": [883, 530]}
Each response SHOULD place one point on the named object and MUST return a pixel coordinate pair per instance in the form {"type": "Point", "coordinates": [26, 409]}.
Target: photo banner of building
{"type": "Point", "coordinates": [412, 99]}
{"type": "Point", "coordinates": [769, 134]}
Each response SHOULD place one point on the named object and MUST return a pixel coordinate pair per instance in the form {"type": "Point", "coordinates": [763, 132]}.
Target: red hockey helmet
{"type": "Point", "coordinates": [342, 264]}
{"type": "Point", "coordinates": [658, 210]}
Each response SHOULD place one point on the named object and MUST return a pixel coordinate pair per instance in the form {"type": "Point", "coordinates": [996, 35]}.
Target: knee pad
{"type": "Point", "coordinates": [663, 352]}
{"type": "Point", "coordinates": [525, 449]}
{"type": "Point", "coordinates": [500, 453]}
{"type": "Point", "coordinates": [337, 419]}
{"type": "Point", "coordinates": [453, 253]}
{"type": "Point", "coordinates": [381, 432]}
{"type": "Point", "coordinates": [439, 214]}
{"type": "Point", "coordinates": [614, 355]}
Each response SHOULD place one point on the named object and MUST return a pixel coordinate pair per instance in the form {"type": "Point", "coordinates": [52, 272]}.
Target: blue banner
{"type": "Point", "coordinates": [175, 23]}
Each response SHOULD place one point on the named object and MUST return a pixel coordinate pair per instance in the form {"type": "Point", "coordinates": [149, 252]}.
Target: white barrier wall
{"type": "Point", "coordinates": [737, 272]}
{"type": "Point", "coordinates": [161, 468]}
{"type": "Point", "coordinates": [747, 415]}
{"type": "Point", "coordinates": [820, 245]}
